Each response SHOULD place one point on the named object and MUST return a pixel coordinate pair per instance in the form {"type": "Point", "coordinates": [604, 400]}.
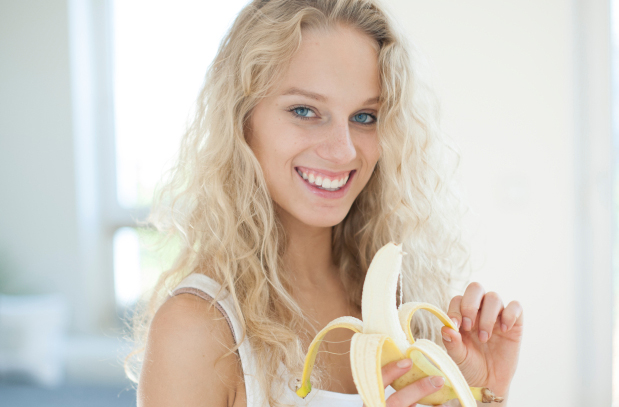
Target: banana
{"type": "Point", "coordinates": [385, 336]}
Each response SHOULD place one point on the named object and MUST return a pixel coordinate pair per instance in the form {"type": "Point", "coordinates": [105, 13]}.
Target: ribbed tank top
{"type": "Point", "coordinates": [207, 288]}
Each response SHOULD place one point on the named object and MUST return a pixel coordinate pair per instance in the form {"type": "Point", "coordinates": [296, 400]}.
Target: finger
{"type": "Point", "coordinates": [411, 394]}
{"type": "Point", "coordinates": [471, 301]}
{"type": "Point", "coordinates": [393, 370]}
{"type": "Point", "coordinates": [512, 316]}
{"type": "Point", "coordinates": [490, 309]}
{"type": "Point", "coordinates": [453, 344]}
{"type": "Point", "coordinates": [454, 310]}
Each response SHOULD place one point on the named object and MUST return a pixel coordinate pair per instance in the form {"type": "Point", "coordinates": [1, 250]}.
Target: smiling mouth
{"type": "Point", "coordinates": [324, 182]}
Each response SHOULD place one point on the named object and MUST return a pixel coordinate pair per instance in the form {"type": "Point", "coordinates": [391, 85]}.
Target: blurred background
{"type": "Point", "coordinates": [94, 96]}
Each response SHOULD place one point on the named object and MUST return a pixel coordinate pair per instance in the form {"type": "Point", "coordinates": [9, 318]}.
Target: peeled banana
{"type": "Point", "coordinates": [385, 336]}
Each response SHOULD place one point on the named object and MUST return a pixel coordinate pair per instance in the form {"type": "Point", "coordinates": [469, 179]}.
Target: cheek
{"type": "Point", "coordinates": [276, 146]}
{"type": "Point", "coordinates": [263, 137]}
{"type": "Point", "coordinates": [370, 149]}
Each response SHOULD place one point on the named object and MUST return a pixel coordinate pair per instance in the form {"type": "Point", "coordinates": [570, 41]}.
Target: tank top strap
{"type": "Point", "coordinates": [205, 287]}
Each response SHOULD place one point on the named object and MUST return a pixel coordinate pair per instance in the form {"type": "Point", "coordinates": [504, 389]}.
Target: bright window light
{"type": "Point", "coordinates": [127, 278]}
{"type": "Point", "coordinates": [140, 256]}
{"type": "Point", "coordinates": [161, 53]}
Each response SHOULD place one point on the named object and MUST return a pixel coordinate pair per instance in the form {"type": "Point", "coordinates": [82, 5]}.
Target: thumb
{"type": "Point", "coordinates": [453, 343]}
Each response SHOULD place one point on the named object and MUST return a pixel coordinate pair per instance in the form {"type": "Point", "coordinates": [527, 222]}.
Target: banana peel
{"type": "Point", "coordinates": [384, 336]}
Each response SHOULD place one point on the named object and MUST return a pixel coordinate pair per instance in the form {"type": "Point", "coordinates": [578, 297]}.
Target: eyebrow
{"type": "Point", "coordinates": [321, 98]}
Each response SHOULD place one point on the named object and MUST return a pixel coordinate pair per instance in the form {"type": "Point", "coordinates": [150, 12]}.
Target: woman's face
{"type": "Point", "coordinates": [315, 136]}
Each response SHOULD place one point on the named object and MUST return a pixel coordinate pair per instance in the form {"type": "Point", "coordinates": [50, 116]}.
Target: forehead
{"type": "Point", "coordinates": [340, 63]}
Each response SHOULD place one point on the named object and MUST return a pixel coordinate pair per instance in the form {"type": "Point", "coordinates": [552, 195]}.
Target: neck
{"type": "Point", "coordinates": [308, 257]}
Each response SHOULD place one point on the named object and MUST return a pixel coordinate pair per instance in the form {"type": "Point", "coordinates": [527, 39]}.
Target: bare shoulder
{"type": "Point", "coordinates": [186, 338]}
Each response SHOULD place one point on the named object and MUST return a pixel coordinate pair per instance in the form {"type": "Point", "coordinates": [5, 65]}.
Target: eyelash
{"type": "Point", "coordinates": [293, 108]}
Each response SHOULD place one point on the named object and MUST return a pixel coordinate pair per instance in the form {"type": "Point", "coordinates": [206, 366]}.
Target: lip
{"type": "Point", "coordinates": [329, 174]}
{"type": "Point", "coordinates": [322, 192]}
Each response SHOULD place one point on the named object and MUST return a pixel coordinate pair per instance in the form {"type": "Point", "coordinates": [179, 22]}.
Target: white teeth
{"type": "Point", "coordinates": [323, 183]}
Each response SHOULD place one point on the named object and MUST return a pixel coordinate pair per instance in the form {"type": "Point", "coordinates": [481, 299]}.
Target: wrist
{"type": "Point", "coordinates": [502, 392]}
{"type": "Point", "coordinates": [480, 404]}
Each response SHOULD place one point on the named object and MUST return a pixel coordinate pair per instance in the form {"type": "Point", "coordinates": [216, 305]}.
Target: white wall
{"type": "Point", "coordinates": [43, 224]}
{"type": "Point", "coordinates": [509, 80]}
{"type": "Point", "coordinates": [38, 241]}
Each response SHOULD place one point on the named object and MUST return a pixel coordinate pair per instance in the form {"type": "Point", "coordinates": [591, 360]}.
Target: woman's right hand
{"type": "Point", "coordinates": [410, 395]}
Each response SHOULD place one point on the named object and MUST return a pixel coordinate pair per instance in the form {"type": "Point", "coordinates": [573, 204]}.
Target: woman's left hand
{"type": "Point", "coordinates": [488, 342]}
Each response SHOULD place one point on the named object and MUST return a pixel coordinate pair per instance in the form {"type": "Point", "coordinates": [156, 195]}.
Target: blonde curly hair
{"type": "Point", "coordinates": [217, 202]}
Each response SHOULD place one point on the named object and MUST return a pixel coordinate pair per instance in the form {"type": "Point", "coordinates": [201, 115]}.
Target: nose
{"type": "Point", "coordinates": [337, 145]}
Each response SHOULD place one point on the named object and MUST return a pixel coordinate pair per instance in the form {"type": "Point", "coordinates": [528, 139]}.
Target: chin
{"type": "Point", "coordinates": [321, 220]}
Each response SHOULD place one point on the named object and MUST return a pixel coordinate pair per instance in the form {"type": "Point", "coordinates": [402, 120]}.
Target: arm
{"type": "Point", "coordinates": [185, 339]}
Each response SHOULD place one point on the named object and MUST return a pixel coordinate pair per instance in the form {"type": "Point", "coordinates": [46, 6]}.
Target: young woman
{"type": "Point", "coordinates": [316, 142]}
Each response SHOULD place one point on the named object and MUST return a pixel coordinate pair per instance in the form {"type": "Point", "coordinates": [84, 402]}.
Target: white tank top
{"type": "Point", "coordinates": [207, 288]}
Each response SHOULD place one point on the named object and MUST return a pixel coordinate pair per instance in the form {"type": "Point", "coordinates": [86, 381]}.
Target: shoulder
{"type": "Point", "coordinates": [187, 360]}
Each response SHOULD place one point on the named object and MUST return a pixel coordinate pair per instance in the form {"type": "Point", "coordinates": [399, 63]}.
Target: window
{"type": "Point", "coordinates": [161, 51]}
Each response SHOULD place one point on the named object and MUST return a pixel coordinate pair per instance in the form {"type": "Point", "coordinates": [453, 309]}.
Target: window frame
{"type": "Point", "coordinates": [98, 212]}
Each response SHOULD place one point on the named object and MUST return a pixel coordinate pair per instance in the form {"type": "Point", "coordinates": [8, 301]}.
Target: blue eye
{"type": "Point", "coordinates": [364, 117]}
{"type": "Point", "coordinates": [303, 112]}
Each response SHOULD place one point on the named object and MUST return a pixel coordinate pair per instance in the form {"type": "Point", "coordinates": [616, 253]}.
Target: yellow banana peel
{"type": "Point", "coordinates": [385, 336]}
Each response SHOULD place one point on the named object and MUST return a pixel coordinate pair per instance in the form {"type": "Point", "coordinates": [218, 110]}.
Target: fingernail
{"type": "Point", "coordinates": [503, 327]}
{"type": "Point", "coordinates": [446, 338]}
{"type": "Point", "coordinates": [404, 363]}
{"type": "Point", "coordinates": [466, 324]}
{"type": "Point", "coordinates": [455, 322]}
{"type": "Point", "coordinates": [483, 336]}
{"type": "Point", "coordinates": [437, 381]}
